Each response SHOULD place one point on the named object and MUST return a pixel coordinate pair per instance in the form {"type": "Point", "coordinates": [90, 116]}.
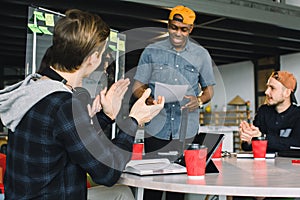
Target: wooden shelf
{"type": "Point", "coordinates": [217, 118]}
{"type": "Point", "coordinates": [229, 118]}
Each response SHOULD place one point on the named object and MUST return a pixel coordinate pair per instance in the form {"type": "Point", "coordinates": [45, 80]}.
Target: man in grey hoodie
{"type": "Point", "coordinates": [53, 144]}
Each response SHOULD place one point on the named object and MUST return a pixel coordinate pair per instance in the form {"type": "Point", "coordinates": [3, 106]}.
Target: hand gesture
{"type": "Point", "coordinates": [112, 99]}
{"type": "Point", "coordinates": [144, 113]}
{"type": "Point", "coordinates": [96, 107]}
{"type": "Point", "coordinates": [192, 104]}
{"type": "Point", "coordinates": [248, 131]}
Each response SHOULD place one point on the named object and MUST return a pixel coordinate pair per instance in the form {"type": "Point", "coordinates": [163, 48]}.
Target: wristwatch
{"type": "Point", "coordinates": [200, 103]}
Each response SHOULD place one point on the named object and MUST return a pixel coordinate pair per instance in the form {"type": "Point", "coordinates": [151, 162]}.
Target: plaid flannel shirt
{"type": "Point", "coordinates": [54, 146]}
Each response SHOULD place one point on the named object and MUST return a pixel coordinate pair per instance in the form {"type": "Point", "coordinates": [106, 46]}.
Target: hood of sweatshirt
{"type": "Point", "coordinates": [17, 99]}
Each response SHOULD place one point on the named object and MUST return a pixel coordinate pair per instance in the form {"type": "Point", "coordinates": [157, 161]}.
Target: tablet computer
{"type": "Point", "coordinates": [212, 141]}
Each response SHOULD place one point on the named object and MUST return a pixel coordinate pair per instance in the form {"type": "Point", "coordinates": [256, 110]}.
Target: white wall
{"type": "Point", "coordinates": [293, 2]}
{"type": "Point", "coordinates": [238, 79]}
{"type": "Point", "coordinates": [232, 80]}
{"type": "Point", "coordinates": [291, 63]}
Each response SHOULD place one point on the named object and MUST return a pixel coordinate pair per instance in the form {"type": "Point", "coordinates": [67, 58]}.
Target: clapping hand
{"type": "Point", "coordinates": [96, 106]}
{"type": "Point", "coordinates": [144, 113]}
{"type": "Point", "coordinates": [248, 131]}
{"type": "Point", "coordinates": [111, 100]}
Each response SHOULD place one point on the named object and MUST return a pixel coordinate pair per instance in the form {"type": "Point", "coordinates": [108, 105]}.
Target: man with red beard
{"type": "Point", "coordinates": [279, 119]}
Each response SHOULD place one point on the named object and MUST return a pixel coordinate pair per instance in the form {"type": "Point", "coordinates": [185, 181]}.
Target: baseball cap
{"type": "Point", "coordinates": [288, 80]}
{"type": "Point", "coordinates": [188, 15]}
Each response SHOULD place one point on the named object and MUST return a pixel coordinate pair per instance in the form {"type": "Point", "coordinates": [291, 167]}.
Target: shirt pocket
{"type": "Point", "coordinates": [160, 72]}
{"type": "Point", "coordinates": [191, 74]}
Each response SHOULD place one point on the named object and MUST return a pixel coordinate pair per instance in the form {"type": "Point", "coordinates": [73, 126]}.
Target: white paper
{"type": "Point", "coordinates": [153, 166]}
{"type": "Point", "coordinates": [171, 93]}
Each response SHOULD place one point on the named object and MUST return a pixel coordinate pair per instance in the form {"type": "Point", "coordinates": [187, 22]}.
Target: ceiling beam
{"type": "Point", "coordinates": [263, 11]}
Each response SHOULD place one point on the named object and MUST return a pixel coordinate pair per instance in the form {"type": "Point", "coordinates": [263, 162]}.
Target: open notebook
{"type": "Point", "coordinates": [157, 166]}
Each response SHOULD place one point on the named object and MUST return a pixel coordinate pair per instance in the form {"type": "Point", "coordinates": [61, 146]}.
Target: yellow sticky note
{"type": "Point", "coordinates": [113, 36]}
{"type": "Point", "coordinates": [45, 30]}
{"type": "Point", "coordinates": [49, 19]}
{"type": "Point", "coordinates": [39, 15]}
{"type": "Point", "coordinates": [34, 28]}
{"type": "Point", "coordinates": [121, 45]}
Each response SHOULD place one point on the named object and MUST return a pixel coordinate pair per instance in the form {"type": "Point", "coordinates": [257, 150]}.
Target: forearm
{"type": "Point", "coordinates": [279, 143]}
{"type": "Point", "coordinates": [103, 159]}
{"type": "Point", "coordinates": [112, 156]}
{"type": "Point", "coordinates": [207, 94]}
{"type": "Point", "coordinates": [102, 119]}
{"type": "Point", "coordinates": [138, 89]}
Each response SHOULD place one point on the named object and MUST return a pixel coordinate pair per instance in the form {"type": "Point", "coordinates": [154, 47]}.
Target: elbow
{"type": "Point", "coordinates": [110, 179]}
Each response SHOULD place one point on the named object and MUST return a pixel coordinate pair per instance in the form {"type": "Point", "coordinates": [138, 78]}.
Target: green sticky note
{"type": "Point", "coordinates": [39, 15]}
{"type": "Point", "coordinates": [45, 30]}
{"type": "Point", "coordinates": [34, 28]}
{"type": "Point", "coordinates": [49, 18]}
{"type": "Point", "coordinates": [121, 45]}
{"type": "Point", "coordinates": [113, 36]}
{"type": "Point", "coordinates": [113, 47]}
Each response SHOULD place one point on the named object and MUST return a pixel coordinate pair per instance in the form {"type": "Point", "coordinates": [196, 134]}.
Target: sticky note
{"type": "Point", "coordinates": [113, 47]}
{"type": "Point", "coordinates": [113, 37]}
{"type": "Point", "coordinates": [39, 15]}
{"type": "Point", "coordinates": [121, 45]}
{"type": "Point", "coordinates": [34, 28]}
{"type": "Point", "coordinates": [45, 30]}
{"type": "Point", "coordinates": [49, 19]}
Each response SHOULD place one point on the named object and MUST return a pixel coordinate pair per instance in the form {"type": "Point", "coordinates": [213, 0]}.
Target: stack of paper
{"type": "Point", "coordinates": [153, 167]}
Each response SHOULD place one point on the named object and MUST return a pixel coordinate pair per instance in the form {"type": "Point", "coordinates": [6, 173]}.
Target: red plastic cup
{"type": "Point", "coordinates": [195, 161]}
{"type": "Point", "coordinates": [259, 148]}
{"type": "Point", "coordinates": [137, 151]}
{"type": "Point", "coordinates": [218, 152]}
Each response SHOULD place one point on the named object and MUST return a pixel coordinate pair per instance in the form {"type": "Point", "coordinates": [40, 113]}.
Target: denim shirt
{"type": "Point", "coordinates": [160, 62]}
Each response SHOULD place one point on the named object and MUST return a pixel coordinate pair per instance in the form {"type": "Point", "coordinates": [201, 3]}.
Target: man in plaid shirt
{"type": "Point", "coordinates": [52, 143]}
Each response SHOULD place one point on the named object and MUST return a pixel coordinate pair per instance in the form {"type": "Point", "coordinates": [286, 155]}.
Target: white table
{"type": "Point", "coordinates": [238, 177]}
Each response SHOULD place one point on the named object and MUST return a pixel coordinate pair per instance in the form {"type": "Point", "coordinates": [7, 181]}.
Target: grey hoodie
{"type": "Point", "coordinates": [17, 99]}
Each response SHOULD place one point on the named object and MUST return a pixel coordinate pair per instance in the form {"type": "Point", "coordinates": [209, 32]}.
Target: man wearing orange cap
{"type": "Point", "coordinates": [279, 119]}
{"type": "Point", "coordinates": [175, 61]}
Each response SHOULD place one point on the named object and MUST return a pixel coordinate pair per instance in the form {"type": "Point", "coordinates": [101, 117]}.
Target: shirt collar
{"type": "Point", "coordinates": [186, 48]}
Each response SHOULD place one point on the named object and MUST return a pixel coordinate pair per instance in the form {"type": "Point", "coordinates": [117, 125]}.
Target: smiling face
{"type": "Point", "coordinates": [179, 33]}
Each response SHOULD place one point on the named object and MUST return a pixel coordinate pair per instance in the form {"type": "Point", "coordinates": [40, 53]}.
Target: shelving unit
{"type": "Point", "coordinates": [231, 117]}
{"type": "Point", "coordinates": [219, 118]}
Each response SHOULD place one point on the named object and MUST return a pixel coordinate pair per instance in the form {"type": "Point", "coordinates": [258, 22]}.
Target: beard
{"type": "Point", "coordinates": [271, 102]}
